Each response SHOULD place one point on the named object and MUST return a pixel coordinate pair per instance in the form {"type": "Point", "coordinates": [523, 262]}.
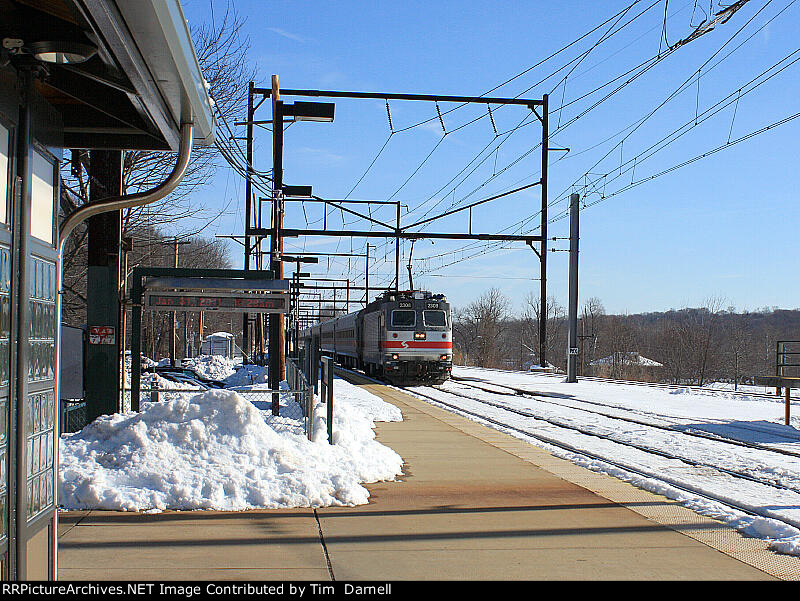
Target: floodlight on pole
{"type": "Point", "coordinates": [310, 111]}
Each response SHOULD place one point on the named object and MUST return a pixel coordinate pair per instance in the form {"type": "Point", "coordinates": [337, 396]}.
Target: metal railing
{"type": "Point", "coordinates": [326, 392]}
{"type": "Point", "coordinates": [298, 382]}
{"type": "Point", "coordinates": [296, 401]}
{"type": "Point", "coordinates": [786, 357]}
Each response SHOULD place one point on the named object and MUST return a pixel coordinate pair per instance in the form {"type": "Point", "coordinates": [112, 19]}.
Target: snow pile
{"type": "Point", "coordinates": [214, 367]}
{"type": "Point", "coordinates": [215, 450]}
{"type": "Point", "coordinates": [247, 375]}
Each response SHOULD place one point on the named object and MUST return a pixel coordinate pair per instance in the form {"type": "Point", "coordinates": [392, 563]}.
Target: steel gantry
{"type": "Point", "coordinates": [255, 231]}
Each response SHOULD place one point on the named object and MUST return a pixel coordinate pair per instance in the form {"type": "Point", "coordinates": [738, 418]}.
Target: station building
{"type": "Point", "coordinates": [96, 75]}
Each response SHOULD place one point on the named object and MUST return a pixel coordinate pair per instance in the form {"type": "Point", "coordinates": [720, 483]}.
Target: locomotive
{"type": "Point", "coordinates": [404, 337]}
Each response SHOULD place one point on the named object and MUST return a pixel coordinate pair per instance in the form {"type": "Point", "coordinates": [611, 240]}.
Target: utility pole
{"type": "Point", "coordinates": [572, 344]}
{"type": "Point", "coordinates": [126, 246]}
{"type": "Point", "coordinates": [248, 199]}
{"type": "Point", "coordinates": [397, 252]}
{"type": "Point", "coordinates": [173, 333]}
{"type": "Point", "coordinates": [276, 321]}
{"type": "Point", "coordinates": [366, 277]}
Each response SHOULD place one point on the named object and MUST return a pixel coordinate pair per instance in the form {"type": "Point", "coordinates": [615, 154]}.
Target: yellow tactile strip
{"type": "Point", "coordinates": [715, 534]}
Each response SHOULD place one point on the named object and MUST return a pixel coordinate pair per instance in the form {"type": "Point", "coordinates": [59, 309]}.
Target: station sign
{"type": "Point", "coordinates": [102, 335]}
{"type": "Point", "coordinates": [225, 302]}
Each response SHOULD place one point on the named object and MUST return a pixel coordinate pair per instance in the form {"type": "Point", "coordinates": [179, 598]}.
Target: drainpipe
{"type": "Point", "coordinates": [116, 203]}
{"type": "Point", "coordinates": [128, 201]}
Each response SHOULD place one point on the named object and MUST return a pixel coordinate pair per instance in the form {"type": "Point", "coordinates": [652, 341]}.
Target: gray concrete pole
{"type": "Point", "coordinates": [572, 344]}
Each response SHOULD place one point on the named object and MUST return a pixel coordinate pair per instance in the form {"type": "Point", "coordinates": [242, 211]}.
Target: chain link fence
{"type": "Point", "coordinates": [295, 400]}
{"type": "Point", "coordinates": [292, 403]}
{"type": "Point", "coordinates": [73, 415]}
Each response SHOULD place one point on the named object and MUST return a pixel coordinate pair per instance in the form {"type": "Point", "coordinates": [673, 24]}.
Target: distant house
{"type": "Point", "coordinates": [627, 366]}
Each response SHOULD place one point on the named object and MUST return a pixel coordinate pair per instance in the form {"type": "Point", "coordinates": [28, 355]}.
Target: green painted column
{"type": "Point", "coordinates": [102, 289]}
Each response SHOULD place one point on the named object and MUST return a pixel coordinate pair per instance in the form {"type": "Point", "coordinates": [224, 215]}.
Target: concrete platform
{"type": "Point", "coordinates": [473, 504]}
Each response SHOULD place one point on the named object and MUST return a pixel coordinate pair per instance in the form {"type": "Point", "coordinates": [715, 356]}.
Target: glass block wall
{"type": "Point", "coordinates": [5, 332]}
{"type": "Point", "coordinates": [41, 402]}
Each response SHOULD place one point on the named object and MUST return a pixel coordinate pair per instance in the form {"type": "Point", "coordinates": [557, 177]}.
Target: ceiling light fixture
{"type": "Point", "coordinates": [62, 52]}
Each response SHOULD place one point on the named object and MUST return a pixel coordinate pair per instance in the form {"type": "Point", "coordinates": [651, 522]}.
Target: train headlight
{"type": "Point", "coordinates": [395, 357]}
{"type": "Point", "coordinates": [419, 336]}
{"type": "Point", "coordinates": [444, 357]}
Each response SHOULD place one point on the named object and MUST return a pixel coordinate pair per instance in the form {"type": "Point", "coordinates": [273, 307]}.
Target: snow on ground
{"type": "Point", "coordinates": [217, 450]}
{"type": "Point", "coordinates": [248, 377]}
{"type": "Point", "coordinates": [719, 413]}
{"type": "Point", "coordinates": [214, 367]}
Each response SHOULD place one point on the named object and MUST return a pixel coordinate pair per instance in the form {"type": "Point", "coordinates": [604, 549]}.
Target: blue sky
{"type": "Point", "coordinates": [724, 226]}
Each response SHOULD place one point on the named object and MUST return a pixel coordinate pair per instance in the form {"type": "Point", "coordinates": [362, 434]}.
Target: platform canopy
{"type": "Point", "coordinates": [121, 74]}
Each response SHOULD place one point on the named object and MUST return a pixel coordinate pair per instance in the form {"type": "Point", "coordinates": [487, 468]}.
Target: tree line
{"type": "Point", "coordinates": [693, 346]}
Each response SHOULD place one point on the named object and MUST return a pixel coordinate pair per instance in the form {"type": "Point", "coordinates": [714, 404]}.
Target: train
{"type": "Point", "coordinates": [403, 337]}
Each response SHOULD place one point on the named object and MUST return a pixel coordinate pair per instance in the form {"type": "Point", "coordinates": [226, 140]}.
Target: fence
{"type": "Point", "coordinates": [295, 403]}
{"type": "Point", "coordinates": [298, 383]}
{"type": "Point", "coordinates": [326, 392]}
{"type": "Point", "coordinates": [73, 415]}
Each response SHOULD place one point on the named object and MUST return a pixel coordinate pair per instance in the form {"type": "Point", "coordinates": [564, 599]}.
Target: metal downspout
{"type": "Point", "coordinates": [117, 203]}
{"type": "Point", "coordinates": [113, 204]}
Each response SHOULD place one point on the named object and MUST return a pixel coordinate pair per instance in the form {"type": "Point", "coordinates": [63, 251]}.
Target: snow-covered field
{"type": "Point", "coordinates": [586, 416]}
{"type": "Point", "coordinates": [216, 450]}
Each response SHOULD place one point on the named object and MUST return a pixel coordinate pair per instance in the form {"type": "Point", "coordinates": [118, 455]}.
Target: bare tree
{"type": "Point", "coordinates": [556, 342]}
{"type": "Point", "coordinates": [478, 329]}
{"type": "Point", "coordinates": [593, 311]}
{"type": "Point", "coordinates": [222, 54]}
{"type": "Point", "coordinates": [735, 346]}
{"type": "Point", "coordinates": [620, 344]}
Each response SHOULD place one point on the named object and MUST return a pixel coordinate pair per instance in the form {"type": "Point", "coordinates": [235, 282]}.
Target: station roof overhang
{"type": "Point", "coordinates": [138, 88]}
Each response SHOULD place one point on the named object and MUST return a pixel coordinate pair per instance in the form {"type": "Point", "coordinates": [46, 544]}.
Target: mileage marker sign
{"type": "Point", "coordinates": [231, 303]}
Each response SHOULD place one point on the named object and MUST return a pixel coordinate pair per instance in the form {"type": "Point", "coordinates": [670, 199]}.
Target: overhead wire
{"type": "Point", "coordinates": [555, 201]}
{"type": "Point", "coordinates": [635, 125]}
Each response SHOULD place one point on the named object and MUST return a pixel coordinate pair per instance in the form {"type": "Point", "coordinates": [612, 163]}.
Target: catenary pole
{"type": "Point", "coordinates": [543, 256]}
{"type": "Point", "coordinates": [572, 344]}
{"type": "Point", "coordinates": [275, 324]}
{"type": "Point", "coordinates": [248, 196]}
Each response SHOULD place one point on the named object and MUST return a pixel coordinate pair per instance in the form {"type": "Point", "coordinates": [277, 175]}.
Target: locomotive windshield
{"type": "Point", "coordinates": [434, 318]}
{"type": "Point", "coordinates": [404, 319]}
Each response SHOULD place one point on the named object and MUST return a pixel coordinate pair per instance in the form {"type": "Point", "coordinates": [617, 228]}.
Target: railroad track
{"type": "Point", "coordinates": [639, 447]}
{"type": "Point", "coordinates": [692, 387]}
{"type": "Point", "coordinates": [610, 461]}
{"type": "Point", "coordinates": [537, 395]}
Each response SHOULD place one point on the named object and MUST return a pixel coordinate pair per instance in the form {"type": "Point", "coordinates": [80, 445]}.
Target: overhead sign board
{"type": "Point", "coordinates": [229, 303]}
